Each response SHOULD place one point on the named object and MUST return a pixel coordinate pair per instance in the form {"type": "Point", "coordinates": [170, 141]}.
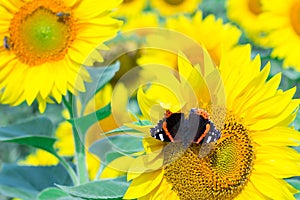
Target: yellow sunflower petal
{"type": "Point", "coordinates": [271, 107]}
{"type": "Point", "coordinates": [163, 191]}
{"type": "Point", "coordinates": [278, 136]}
{"type": "Point", "coordinates": [266, 123]}
{"type": "Point", "coordinates": [93, 11]}
{"type": "Point", "coordinates": [12, 6]}
{"type": "Point", "coordinates": [278, 167]}
{"type": "Point", "coordinates": [40, 158]}
{"type": "Point", "coordinates": [144, 164]}
{"type": "Point", "coordinates": [271, 187]}
{"type": "Point", "coordinates": [141, 186]}
{"type": "Point", "coordinates": [250, 192]}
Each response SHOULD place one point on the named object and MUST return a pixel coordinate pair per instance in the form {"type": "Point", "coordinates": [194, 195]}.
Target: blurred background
{"type": "Point", "coordinates": [12, 153]}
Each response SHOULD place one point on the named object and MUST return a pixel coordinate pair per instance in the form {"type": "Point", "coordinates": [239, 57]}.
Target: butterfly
{"type": "Point", "coordinates": [197, 128]}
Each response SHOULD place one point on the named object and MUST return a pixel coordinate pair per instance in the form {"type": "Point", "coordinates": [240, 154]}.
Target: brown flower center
{"type": "Point", "coordinates": [41, 31]}
{"type": "Point", "coordinates": [127, 1]}
{"type": "Point", "coordinates": [174, 2]}
{"type": "Point", "coordinates": [254, 6]}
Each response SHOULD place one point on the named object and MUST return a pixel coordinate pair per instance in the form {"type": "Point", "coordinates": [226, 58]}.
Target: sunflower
{"type": "Point", "coordinates": [130, 8]}
{"type": "Point", "coordinates": [172, 7]}
{"type": "Point", "coordinates": [251, 21]}
{"type": "Point", "coordinates": [283, 28]}
{"type": "Point", "coordinates": [253, 155]}
{"type": "Point", "coordinates": [208, 32]}
{"type": "Point", "coordinates": [45, 44]}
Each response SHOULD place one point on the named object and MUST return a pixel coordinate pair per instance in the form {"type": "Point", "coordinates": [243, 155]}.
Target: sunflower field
{"type": "Point", "coordinates": [149, 99]}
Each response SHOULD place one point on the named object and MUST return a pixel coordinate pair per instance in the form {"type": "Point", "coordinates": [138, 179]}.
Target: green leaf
{"type": "Point", "coordinates": [102, 189]}
{"type": "Point", "coordinates": [122, 129]}
{"type": "Point", "coordinates": [30, 180]}
{"type": "Point", "coordinates": [295, 182]}
{"type": "Point", "coordinates": [215, 7]}
{"type": "Point", "coordinates": [17, 192]}
{"type": "Point", "coordinates": [296, 122]}
{"type": "Point", "coordinates": [52, 193]}
{"type": "Point", "coordinates": [40, 126]}
{"type": "Point", "coordinates": [100, 76]}
{"type": "Point", "coordinates": [292, 74]}
{"type": "Point", "coordinates": [83, 123]}
{"type": "Point", "coordinates": [36, 132]}
{"type": "Point", "coordinates": [120, 144]}
{"type": "Point", "coordinates": [127, 129]}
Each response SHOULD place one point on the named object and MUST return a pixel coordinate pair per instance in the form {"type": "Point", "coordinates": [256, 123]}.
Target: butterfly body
{"type": "Point", "coordinates": [197, 128]}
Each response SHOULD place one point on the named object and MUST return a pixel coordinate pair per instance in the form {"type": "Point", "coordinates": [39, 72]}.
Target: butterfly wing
{"type": "Point", "coordinates": [173, 124]}
{"type": "Point", "coordinates": [213, 134]}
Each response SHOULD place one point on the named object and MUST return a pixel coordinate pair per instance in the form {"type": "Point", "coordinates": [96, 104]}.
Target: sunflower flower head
{"type": "Point", "coordinates": [251, 21]}
{"type": "Point", "coordinates": [250, 159]}
{"type": "Point", "coordinates": [282, 24]}
{"type": "Point", "coordinates": [209, 32]}
{"type": "Point", "coordinates": [45, 44]}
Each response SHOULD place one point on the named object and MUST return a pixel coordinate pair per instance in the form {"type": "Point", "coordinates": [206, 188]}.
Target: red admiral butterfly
{"type": "Point", "coordinates": [197, 128]}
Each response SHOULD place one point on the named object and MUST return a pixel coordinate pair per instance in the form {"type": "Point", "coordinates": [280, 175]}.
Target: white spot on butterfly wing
{"type": "Point", "coordinates": [208, 139]}
{"type": "Point", "coordinates": [161, 137]}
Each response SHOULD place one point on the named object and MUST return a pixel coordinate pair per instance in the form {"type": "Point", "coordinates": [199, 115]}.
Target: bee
{"type": "Point", "coordinates": [63, 14]}
{"type": "Point", "coordinates": [7, 42]}
{"type": "Point", "coordinates": [197, 128]}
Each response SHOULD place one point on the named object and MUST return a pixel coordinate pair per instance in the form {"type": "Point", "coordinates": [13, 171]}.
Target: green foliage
{"type": "Point", "coordinates": [115, 146]}
{"type": "Point", "coordinates": [83, 123]}
{"type": "Point", "coordinates": [100, 76]}
{"type": "Point", "coordinates": [52, 193]}
{"type": "Point", "coordinates": [17, 192]}
{"type": "Point", "coordinates": [112, 189]}
{"type": "Point", "coordinates": [124, 129]}
{"type": "Point", "coordinates": [36, 132]}
{"type": "Point", "coordinates": [27, 181]}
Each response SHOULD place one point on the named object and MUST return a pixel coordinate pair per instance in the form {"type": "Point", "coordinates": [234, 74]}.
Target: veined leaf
{"type": "Point", "coordinates": [127, 129]}
{"type": "Point", "coordinates": [83, 123]}
{"type": "Point", "coordinates": [103, 189]}
{"type": "Point", "coordinates": [36, 132]}
{"type": "Point", "coordinates": [117, 145]}
{"type": "Point", "coordinates": [100, 76]}
{"type": "Point", "coordinates": [28, 181]}
{"type": "Point", "coordinates": [52, 193]}
{"type": "Point", "coordinates": [17, 192]}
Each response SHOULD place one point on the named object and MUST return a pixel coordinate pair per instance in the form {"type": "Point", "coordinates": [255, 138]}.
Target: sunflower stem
{"type": "Point", "coordinates": [80, 157]}
{"type": "Point", "coordinates": [68, 167]}
{"type": "Point", "coordinates": [68, 106]}
{"type": "Point", "coordinates": [79, 141]}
